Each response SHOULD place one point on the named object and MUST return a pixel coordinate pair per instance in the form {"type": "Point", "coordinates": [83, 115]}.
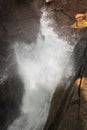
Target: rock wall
{"type": "Point", "coordinates": [19, 22]}
{"type": "Point", "coordinates": [69, 111]}
{"type": "Point", "coordinates": [6, 10]}
{"type": "Point", "coordinates": [74, 6]}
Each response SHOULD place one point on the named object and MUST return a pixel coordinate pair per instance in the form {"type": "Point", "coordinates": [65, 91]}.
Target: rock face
{"type": "Point", "coordinates": [68, 107]}
{"type": "Point", "coordinates": [70, 113]}
{"type": "Point", "coordinates": [11, 92]}
{"type": "Point", "coordinates": [6, 15]}
{"type": "Point", "coordinates": [13, 24]}
{"type": "Point", "coordinates": [72, 6]}
{"type": "Point", "coordinates": [17, 18]}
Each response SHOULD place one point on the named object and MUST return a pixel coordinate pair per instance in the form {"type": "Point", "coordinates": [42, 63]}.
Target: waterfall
{"type": "Point", "coordinates": [40, 66]}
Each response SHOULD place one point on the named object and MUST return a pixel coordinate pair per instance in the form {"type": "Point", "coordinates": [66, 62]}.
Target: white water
{"type": "Point", "coordinates": [41, 67]}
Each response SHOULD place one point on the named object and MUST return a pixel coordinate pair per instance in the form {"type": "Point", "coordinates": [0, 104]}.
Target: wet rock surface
{"type": "Point", "coordinates": [70, 112]}
{"type": "Point", "coordinates": [11, 92]}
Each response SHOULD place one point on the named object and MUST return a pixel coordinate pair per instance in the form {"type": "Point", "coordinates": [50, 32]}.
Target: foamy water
{"type": "Point", "coordinates": [40, 66]}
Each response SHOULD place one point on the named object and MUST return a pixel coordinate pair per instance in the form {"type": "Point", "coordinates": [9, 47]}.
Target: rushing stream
{"type": "Point", "coordinates": [40, 66]}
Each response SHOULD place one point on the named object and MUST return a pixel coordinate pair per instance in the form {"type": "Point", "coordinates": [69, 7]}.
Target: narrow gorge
{"type": "Point", "coordinates": [43, 66]}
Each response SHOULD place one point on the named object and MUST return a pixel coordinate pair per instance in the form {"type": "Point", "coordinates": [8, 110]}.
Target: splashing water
{"type": "Point", "coordinates": [41, 67]}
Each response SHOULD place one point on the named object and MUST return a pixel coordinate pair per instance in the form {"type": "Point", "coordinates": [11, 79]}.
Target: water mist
{"type": "Point", "coordinates": [40, 66]}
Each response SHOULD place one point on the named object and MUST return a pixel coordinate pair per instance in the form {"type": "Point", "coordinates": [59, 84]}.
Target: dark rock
{"type": "Point", "coordinates": [70, 113]}
{"type": "Point", "coordinates": [11, 92]}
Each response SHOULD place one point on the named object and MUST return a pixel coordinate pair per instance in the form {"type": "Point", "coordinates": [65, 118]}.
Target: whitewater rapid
{"type": "Point", "coordinates": [40, 66]}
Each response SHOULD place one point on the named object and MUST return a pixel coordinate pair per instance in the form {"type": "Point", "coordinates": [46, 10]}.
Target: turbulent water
{"type": "Point", "coordinates": [40, 66]}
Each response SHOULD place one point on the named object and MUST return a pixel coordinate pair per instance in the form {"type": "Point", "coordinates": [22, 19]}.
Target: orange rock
{"type": "Point", "coordinates": [79, 16]}
{"type": "Point", "coordinates": [47, 1]}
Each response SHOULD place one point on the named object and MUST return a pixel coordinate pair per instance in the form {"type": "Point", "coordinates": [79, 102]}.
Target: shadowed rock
{"type": "Point", "coordinates": [68, 109]}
